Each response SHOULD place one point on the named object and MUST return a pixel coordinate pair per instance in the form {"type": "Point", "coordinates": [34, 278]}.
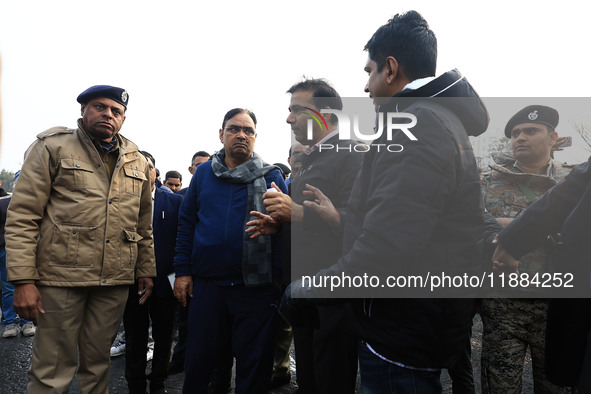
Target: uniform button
{"type": "Point", "coordinates": [136, 174]}
{"type": "Point", "coordinates": [104, 281]}
{"type": "Point", "coordinates": [77, 165]}
{"type": "Point", "coordinates": [73, 232]}
{"type": "Point", "coordinates": [110, 201]}
{"type": "Point", "coordinates": [107, 241]}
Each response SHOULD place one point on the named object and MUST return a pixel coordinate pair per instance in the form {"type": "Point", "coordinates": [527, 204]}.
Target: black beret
{"type": "Point", "coordinates": [111, 92]}
{"type": "Point", "coordinates": [533, 114]}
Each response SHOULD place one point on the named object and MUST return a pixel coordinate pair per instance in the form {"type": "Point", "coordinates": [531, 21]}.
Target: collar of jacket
{"type": "Point", "coordinates": [450, 90]}
{"type": "Point", "coordinates": [125, 146]}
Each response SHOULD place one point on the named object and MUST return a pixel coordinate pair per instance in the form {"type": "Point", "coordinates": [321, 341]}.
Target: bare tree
{"type": "Point", "coordinates": [584, 130]}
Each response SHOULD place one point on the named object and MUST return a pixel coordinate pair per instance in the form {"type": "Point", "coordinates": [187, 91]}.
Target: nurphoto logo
{"type": "Point", "coordinates": [388, 121]}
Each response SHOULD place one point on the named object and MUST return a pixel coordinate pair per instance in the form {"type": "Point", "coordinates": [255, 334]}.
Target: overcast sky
{"type": "Point", "coordinates": [185, 63]}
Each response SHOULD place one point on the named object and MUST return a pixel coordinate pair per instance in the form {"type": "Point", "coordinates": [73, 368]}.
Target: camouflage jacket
{"type": "Point", "coordinates": [507, 190]}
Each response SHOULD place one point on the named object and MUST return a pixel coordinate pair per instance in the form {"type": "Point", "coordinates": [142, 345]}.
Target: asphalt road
{"type": "Point", "coordinates": [15, 358]}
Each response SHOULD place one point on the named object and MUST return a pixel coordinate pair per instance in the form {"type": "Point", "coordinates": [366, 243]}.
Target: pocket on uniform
{"type": "Point", "coordinates": [78, 174]}
{"type": "Point", "coordinates": [129, 248]}
{"type": "Point", "coordinates": [134, 181]}
{"type": "Point", "coordinates": [73, 245]}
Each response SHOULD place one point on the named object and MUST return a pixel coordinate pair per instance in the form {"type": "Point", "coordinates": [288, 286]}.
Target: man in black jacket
{"type": "Point", "coordinates": [326, 354]}
{"type": "Point", "coordinates": [415, 211]}
{"type": "Point", "coordinates": [161, 306]}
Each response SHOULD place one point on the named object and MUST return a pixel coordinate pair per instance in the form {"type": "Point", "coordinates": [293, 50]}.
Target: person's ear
{"type": "Point", "coordinates": [391, 69]}
{"type": "Point", "coordinates": [553, 138]}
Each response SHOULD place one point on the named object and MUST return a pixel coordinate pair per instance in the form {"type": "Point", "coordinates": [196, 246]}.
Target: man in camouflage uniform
{"type": "Point", "coordinates": [515, 182]}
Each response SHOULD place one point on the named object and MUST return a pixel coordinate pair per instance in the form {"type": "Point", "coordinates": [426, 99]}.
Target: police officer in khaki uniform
{"type": "Point", "coordinates": [514, 183]}
{"type": "Point", "coordinates": [79, 231]}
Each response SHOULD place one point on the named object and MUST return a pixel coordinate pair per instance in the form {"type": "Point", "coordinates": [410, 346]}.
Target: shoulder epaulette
{"type": "Point", "coordinates": [54, 131]}
{"type": "Point", "coordinates": [127, 145]}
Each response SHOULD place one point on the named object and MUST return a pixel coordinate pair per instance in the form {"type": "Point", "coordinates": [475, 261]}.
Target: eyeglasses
{"type": "Point", "coordinates": [233, 129]}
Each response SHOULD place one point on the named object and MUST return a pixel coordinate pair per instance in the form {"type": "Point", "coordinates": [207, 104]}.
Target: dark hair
{"type": "Point", "coordinates": [291, 148]}
{"type": "Point", "coordinates": [173, 174]}
{"type": "Point", "coordinates": [285, 171]}
{"type": "Point", "coordinates": [408, 39]}
{"type": "Point", "coordinates": [324, 95]}
{"type": "Point", "coordinates": [297, 157]}
{"type": "Point", "coordinates": [201, 153]}
{"type": "Point", "coordinates": [148, 156]}
{"type": "Point", "coordinates": [233, 112]}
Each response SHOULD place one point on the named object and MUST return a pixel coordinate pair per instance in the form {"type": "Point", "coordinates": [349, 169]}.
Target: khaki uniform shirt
{"type": "Point", "coordinates": [70, 224]}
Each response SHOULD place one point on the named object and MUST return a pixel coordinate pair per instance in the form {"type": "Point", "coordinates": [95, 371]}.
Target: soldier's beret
{"type": "Point", "coordinates": [533, 114]}
{"type": "Point", "coordinates": [111, 92]}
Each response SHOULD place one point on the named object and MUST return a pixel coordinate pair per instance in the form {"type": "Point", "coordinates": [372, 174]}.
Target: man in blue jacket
{"type": "Point", "coordinates": [229, 275]}
{"type": "Point", "coordinates": [161, 307]}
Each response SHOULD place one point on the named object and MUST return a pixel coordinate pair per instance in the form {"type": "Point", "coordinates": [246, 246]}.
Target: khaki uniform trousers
{"type": "Point", "coordinates": [76, 318]}
{"type": "Point", "coordinates": [283, 338]}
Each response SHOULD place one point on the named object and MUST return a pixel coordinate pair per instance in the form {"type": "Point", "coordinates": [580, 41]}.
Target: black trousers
{"type": "Point", "coordinates": [136, 321]}
{"type": "Point", "coordinates": [326, 357]}
{"type": "Point", "coordinates": [239, 317]}
{"type": "Point", "coordinates": [182, 323]}
{"type": "Point", "coordinates": [461, 373]}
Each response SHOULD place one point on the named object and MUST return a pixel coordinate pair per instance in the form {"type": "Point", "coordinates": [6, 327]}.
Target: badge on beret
{"type": "Point", "coordinates": [532, 115]}
{"type": "Point", "coordinates": [124, 97]}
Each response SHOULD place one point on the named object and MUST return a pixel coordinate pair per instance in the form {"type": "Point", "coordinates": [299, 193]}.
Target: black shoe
{"type": "Point", "coordinates": [212, 389]}
{"type": "Point", "coordinates": [158, 389]}
{"type": "Point", "coordinates": [280, 380]}
{"type": "Point", "coordinates": [223, 391]}
{"type": "Point", "coordinates": [176, 366]}
{"type": "Point", "coordinates": [137, 390]}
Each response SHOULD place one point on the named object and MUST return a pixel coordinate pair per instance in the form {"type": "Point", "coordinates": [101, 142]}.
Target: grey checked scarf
{"type": "Point", "coordinates": [256, 253]}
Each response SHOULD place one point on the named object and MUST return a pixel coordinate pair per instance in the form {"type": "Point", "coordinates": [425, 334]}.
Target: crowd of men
{"type": "Point", "coordinates": [93, 238]}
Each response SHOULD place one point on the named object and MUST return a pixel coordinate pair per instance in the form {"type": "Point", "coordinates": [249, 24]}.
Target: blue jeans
{"type": "Point", "coordinates": [381, 377]}
{"type": "Point", "coordinates": [9, 316]}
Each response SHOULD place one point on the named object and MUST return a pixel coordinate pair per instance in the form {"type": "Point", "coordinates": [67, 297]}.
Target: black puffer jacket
{"type": "Point", "coordinates": [414, 212]}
